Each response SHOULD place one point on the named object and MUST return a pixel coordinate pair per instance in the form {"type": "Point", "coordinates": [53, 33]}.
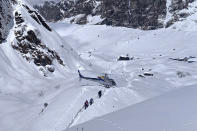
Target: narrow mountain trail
{"type": "Point", "coordinates": [83, 109]}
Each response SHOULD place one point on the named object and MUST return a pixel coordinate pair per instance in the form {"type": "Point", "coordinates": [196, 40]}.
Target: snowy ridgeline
{"type": "Point", "coordinates": [173, 111]}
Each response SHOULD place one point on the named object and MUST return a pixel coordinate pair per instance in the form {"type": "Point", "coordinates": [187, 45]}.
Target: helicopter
{"type": "Point", "coordinates": [103, 80]}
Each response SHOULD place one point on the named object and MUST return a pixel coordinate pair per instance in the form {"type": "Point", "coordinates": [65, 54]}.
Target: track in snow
{"type": "Point", "coordinates": [82, 109]}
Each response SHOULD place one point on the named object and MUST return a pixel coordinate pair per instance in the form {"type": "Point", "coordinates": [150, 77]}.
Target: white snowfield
{"type": "Point", "coordinates": [24, 90]}
{"type": "Point", "coordinates": [173, 111]}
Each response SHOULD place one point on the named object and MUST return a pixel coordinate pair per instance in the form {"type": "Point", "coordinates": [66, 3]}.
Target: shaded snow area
{"type": "Point", "coordinates": [173, 111]}
{"type": "Point", "coordinates": [144, 64]}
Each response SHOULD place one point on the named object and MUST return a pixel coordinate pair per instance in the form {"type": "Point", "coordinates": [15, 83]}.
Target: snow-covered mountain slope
{"type": "Point", "coordinates": [31, 50]}
{"type": "Point", "coordinates": [174, 111]}
{"type": "Point", "coordinates": [31, 32]}
{"type": "Point", "coordinates": [159, 61]}
{"type": "Point", "coordinates": [167, 54]}
{"type": "Point", "coordinates": [36, 66]}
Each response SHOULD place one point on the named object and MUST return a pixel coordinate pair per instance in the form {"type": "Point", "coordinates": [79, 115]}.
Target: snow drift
{"type": "Point", "coordinates": [174, 111]}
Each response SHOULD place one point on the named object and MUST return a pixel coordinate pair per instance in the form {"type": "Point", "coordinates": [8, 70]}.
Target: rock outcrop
{"type": "Point", "coordinates": [6, 19]}
{"type": "Point", "coordinates": [25, 33]}
{"type": "Point", "coordinates": [30, 46]}
{"type": "Point", "coordinates": [175, 8]}
{"type": "Point", "coordinates": [143, 14]}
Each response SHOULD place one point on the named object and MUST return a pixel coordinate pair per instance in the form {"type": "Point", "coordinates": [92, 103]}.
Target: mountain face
{"type": "Point", "coordinates": [175, 8]}
{"type": "Point", "coordinates": [134, 13]}
{"type": "Point", "coordinates": [143, 14]}
{"type": "Point", "coordinates": [28, 31]}
{"type": "Point", "coordinates": [6, 20]}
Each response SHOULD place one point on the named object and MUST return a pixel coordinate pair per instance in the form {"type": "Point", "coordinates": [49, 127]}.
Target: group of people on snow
{"type": "Point", "coordinates": [91, 101]}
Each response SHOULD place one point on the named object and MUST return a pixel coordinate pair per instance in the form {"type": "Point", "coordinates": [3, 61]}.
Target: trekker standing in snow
{"type": "Point", "coordinates": [91, 101]}
{"type": "Point", "coordinates": [86, 104]}
{"type": "Point", "coordinates": [100, 94]}
{"type": "Point", "coordinates": [45, 106]}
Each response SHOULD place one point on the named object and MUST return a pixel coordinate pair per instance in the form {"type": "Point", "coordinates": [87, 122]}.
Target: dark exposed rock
{"type": "Point", "coordinates": [32, 48]}
{"type": "Point", "coordinates": [42, 59]}
{"type": "Point", "coordinates": [18, 18]}
{"type": "Point", "coordinates": [133, 13]}
{"type": "Point", "coordinates": [51, 11]}
{"type": "Point", "coordinates": [31, 37]}
{"type": "Point", "coordinates": [185, 59]}
{"type": "Point", "coordinates": [30, 44]}
{"type": "Point", "coordinates": [181, 74]}
{"type": "Point", "coordinates": [179, 4]}
{"type": "Point", "coordinates": [144, 14]}
{"type": "Point", "coordinates": [6, 19]}
{"type": "Point", "coordinates": [37, 17]}
{"type": "Point", "coordinates": [129, 13]}
{"type": "Point", "coordinates": [175, 7]}
{"type": "Point", "coordinates": [122, 58]}
{"type": "Point", "coordinates": [148, 74]}
{"type": "Point", "coordinates": [51, 69]}
{"type": "Point", "coordinates": [125, 58]}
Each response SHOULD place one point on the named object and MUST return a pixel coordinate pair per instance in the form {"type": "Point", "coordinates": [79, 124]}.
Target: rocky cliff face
{"type": "Point", "coordinates": [143, 14]}
{"type": "Point", "coordinates": [134, 13]}
{"type": "Point", "coordinates": [27, 31]}
{"type": "Point", "coordinates": [6, 21]}
{"type": "Point", "coordinates": [28, 44]}
{"type": "Point", "coordinates": [180, 4]}
{"type": "Point", "coordinates": [56, 11]}
{"type": "Point", "coordinates": [175, 8]}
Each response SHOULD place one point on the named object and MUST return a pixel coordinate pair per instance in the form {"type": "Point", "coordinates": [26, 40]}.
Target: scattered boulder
{"type": "Point", "coordinates": [182, 74]}
{"type": "Point", "coordinates": [148, 74]}
{"type": "Point", "coordinates": [122, 58]}
{"type": "Point", "coordinates": [185, 59]}
{"type": "Point", "coordinates": [141, 76]}
{"type": "Point", "coordinates": [125, 58]}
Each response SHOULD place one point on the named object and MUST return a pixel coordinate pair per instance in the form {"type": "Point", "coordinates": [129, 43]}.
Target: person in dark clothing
{"type": "Point", "coordinates": [91, 101]}
{"type": "Point", "coordinates": [86, 104]}
{"type": "Point", "coordinates": [100, 94]}
{"type": "Point", "coordinates": [45, 106]}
